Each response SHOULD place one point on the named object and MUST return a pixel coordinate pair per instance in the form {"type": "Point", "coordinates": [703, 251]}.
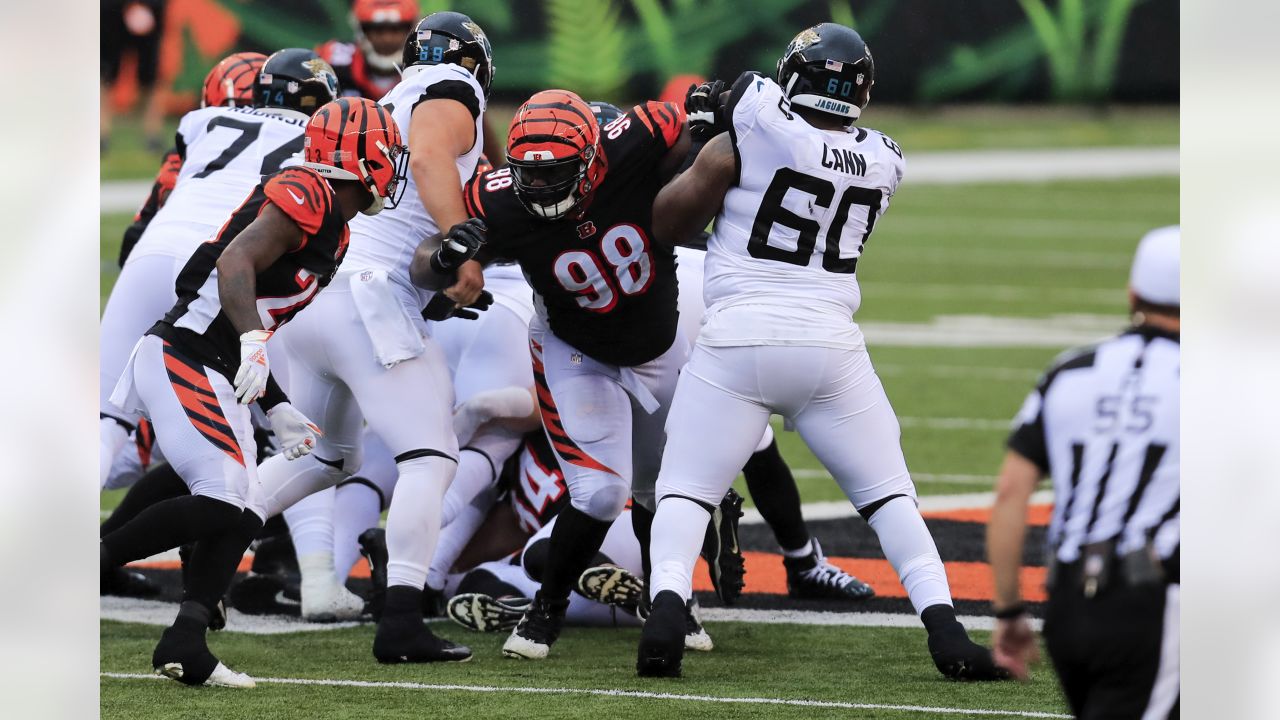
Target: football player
{"type": "Point", "coordinates": [196, 371]}
{"type": "Point", "coordinates": [369, 67]}
{"type": "Point", "coordinates": [363, 353]}
{"type": "Point", "coordinates": [795, 190]}
{"type": "Point", "coordinates": [224, 150]}
{"type": "Point", "coordinates": [573, 207]}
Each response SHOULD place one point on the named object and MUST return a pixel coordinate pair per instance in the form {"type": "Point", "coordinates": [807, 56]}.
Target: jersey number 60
{"type": "Point", "coordinates": [822, 191]}
{"type": "Point", "coordinates": [627, 251]}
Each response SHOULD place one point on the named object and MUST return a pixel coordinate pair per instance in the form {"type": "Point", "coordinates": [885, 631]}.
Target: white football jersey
{"type": "Point", "coordinates": [225, 152]}
{"type": "Point", "coordinates": [386, 241]}
{"type": "Point", "coordinates": [780, 262]}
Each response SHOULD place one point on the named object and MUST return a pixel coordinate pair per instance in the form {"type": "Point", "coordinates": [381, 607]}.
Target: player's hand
{"type": "Point", "coordinates": [251, 378]}
{"type": "Point", "coordinates": [295, 434]}
{"type": "Point", "coordinates": [468, 285]}
{"type": "Point", "coordinates": [472, 311]}
{"type": "Point", "coordinates": [705, 111]}
{"type": "Point", "coordinates": [459, 245]}
{"type": "Point", "coordinates": [1013, 646]}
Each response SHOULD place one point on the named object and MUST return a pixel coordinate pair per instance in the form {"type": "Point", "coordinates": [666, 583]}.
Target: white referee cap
{"type": "Point", "coordinates": [1154, 276]}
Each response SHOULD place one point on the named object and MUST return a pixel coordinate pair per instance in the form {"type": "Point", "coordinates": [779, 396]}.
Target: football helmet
{"type": "Point", "coordinates": [356, 139]}
{"type": "Point", "coordinates": [295, 79]}
{"type": "Point", "coordinates": [381, 13]}
{"type": "Point", "coordinates": [450, 37]}
{"type": "Point", "coordinates": [230, 82]}
{"type": "Point", "coordinates": [605, 112]}
{"type": "Point", "coordinates": [553, 150]}
{"type": "Point", "coordinates": [829, 68]}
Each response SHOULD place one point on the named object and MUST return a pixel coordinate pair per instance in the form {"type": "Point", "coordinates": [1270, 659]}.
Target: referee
{"type": "Point", "coordinates": [1103, 423]}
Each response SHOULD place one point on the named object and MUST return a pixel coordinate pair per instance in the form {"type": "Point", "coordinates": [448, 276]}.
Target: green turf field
{"type": "Point", "coordinates": [878, 666]}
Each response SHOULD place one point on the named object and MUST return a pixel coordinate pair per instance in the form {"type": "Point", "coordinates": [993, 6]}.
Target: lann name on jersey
{"type": "Point", "coordinates": [387, 241]}
{"type": "Point", "coordinates": [604, 286]}
{"type": "Point", "coordinates": [197, 322]}
{"type": "Point", "coordinates": [224, 153]}
{"type": "Point", "coordinates": [780, 264]}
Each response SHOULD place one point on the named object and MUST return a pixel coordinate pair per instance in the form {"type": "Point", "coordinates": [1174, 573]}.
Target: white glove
{"type": "Point", "coordinates": [295, 434]}
{"type": "Point", "coordinates": [251, 379]}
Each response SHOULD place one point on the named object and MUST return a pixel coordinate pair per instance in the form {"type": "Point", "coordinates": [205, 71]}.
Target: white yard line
{"type": "Point", "coordinates": [940, 423]}
{"type": "Point", "coordinates": [637, 694]}
{"type": "Point", "coordinates": [951, 291]}
{"type": "Point", "coordinates": [966, 372]}
{"type": "Point", "coordinates": [987, 331]}
{"type": "Point", "coordinates": [841, 509]}
{"type": "Point", "coordinates": [924, 168]}
{"type": "Point", "coordinates": [849, 619]}
{"type": "Point", "coordinates": [945, 478]}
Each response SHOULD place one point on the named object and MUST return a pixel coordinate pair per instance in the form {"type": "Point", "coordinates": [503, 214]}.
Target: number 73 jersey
{"type": "Point", "coordinates": [781, 260]}
{"type": "Point", "coordinates": [602, 284]}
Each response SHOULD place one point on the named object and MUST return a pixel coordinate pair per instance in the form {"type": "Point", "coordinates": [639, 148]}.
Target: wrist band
{"type": "Point", "coordinates": [1012, 612]}
{"type": "Point", "coordinates": [438, 265]}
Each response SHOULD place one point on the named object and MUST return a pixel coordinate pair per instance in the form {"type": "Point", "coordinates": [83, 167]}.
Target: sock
{"type": "Point", "coordinates": [311, 523]}
{"type": "Point", "coordinates": [940, 618]}
{"type": "Point", "coordinates": [166, 525]}
{"type": "Point", "coordinates": [192, 616]}
{"type": "Point", "coordinates": [456, 534]}
{"type": "Point", "coordinates": [159, 483]}
{"type": "Point", "coordinates": [214, 560]}
{"type": "Point", "coordinates": [356, 508]}
{"type": "Point", "coordinates": [642, 526]}
{"type": "Point", "coordinates": [802, 551]}
{"type": "Point", "coordinates": [575, 539]}
{"type": "Point", "coordinates": [909, 547]}
{"type": "Point", "coordinates": [413, 524]}
{"type": "Point", "coordinates": [285, 482]}
{"type": "Point", "coordinates": [679, 526]}
{"type": "Point", "coordinates": [403, 600]}
{"type": "Point", "coordinates": [776, 496]}
{"type": "Point", "coordinates": [112, 437]}
{"type": "Point", "coordinates": [475, 474]}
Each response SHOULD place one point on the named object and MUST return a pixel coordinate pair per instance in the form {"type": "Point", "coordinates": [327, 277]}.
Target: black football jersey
{"type": "Point", "coordinates": [533, 483]}
{"type": "Point", "coordinates": [197, 324]}
{"type": "Point", "coordinates": [608, 289]}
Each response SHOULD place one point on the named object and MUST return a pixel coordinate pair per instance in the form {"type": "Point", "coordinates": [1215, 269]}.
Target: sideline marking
{"type": "Point", "coordinates": [625, 694]}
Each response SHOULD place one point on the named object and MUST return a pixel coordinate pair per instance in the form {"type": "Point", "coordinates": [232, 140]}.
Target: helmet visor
{"type": "Point", "coordinates": [546, 183]}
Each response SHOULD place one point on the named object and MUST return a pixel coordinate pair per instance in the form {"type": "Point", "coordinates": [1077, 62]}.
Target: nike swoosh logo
{"type": "Point", "coordinates": [295, 197]}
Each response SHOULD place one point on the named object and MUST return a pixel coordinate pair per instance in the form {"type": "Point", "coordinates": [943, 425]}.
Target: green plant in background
{"type": "Point", "coordinates": [685, 36]}
{"type": "Point", "coordinates": [1080, 41]}
{"type": "Point", "coordinates": [587, 48]}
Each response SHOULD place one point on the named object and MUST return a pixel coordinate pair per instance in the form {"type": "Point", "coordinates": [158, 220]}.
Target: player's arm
{"type": "Point", "coordinates": [439, 132]}
{"type": "Point", "coordinates": [676, 156]}
{"type": "Point", "coordinates": [689, 202]}
{"type": "Point", "coordinates": [1013, 642]}
{"type": "Point", "coordinates": [265, 240]}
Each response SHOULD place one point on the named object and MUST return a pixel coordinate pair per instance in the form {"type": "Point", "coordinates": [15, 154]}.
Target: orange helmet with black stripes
{"type": "Point", "coordinates": [357, 139]}
{"type": "Point", "coordinates": [230, 82]}
{"type": "Point", "coordinates": [553, 149]}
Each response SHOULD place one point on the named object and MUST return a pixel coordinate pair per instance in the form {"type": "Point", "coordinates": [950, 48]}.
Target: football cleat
{"type": "Point", "coordinates": [537, 630]}
{"type": "Point", "coordinates": [954, 654]}
{"type": "Point", "coordinates": [222, 676]}
{"type": "Point", "coordinates": [663, 638]}
{"type": "Point", "coordinates": [611, 585]}
{"type": "Point", "coordinates": [695, 636]}
{"type": "Point", "coordinates": [373, 546]}
{"type": "Point", "coordinates": [812, 577]}
{"type": "Point", "coordinates": [721, 550]}
{"type": "Point", "coordinates": [124, 582]}
{"type": "Point", "coordinates": [262, 595]}
{"type": "Point", "coordinates": [405, 639]}
{"type": "Point", "coordinates": [324, 598]}
{"type": "Point", "coordinates": [484, 613]}
{"type": "Point", "coordinates": [184, 656]}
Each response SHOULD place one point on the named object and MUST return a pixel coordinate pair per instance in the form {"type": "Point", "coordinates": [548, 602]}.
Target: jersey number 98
{"type": "Point", "coordinates": [627, 270]}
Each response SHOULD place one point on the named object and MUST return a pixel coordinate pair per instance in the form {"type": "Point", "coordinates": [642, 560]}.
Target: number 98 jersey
{"type": "Point", "coordinates": [602, 284]}
{"type": "Point", "coordinates": [780, 263]}
{"type": "Point", "coordinates": [225, 153]}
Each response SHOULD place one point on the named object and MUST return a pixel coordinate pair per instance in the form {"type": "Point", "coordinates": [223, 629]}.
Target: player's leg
{"type": "Point", "coordinates": [588, 419]}
{"type": "Point", "coordinates": [409, 406]}
{"type": "Point", "coordinates": [851, 428]}
{"type": "Point", "coordinates": [716, 419]}
{"type": "Point", "coordinates": [360, 501]}
{"type": "Point", "coordinates": [136, 302]}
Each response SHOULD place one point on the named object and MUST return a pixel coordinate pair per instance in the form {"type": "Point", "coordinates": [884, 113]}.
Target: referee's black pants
{"type": "Point", "coordinates": [1116, 654]}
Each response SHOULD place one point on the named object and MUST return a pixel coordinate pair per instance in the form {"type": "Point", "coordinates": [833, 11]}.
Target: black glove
{"type": "Point", "coordinates": [442, 307]}
{"type": "Point", "coordinates": [705, 111]}
{"type": "Point", "coordinates": [459, 245]}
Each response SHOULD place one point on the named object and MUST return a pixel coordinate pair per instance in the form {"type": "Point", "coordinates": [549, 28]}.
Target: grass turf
{"type": "Point", "coordinates": [888, 666]}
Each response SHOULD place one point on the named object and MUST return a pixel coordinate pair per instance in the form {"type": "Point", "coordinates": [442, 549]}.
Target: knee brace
{"type": "Point", "coordinates": [605, 501]}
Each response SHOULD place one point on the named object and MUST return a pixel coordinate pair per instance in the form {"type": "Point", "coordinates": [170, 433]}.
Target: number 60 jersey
{"type": "Point", "coordinates": [780, 263]}
{"type": "Point", "coordinates": [602, 284]}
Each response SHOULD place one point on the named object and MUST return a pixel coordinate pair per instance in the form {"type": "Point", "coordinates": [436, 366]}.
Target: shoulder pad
{"type": "Point", "coordinates": [301, 194]}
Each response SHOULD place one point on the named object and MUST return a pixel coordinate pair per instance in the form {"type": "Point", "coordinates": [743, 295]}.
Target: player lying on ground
{"type": "Point", "coordinates": [779, 335]}
{"type": "Point", "coordinates": [196, 372]}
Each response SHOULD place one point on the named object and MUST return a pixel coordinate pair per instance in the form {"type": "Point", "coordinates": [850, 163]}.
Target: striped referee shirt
{"type": "Point", "coordinates": [1103, 423]}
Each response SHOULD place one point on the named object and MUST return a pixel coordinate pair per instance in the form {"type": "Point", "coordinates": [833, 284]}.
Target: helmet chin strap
{"type": "Point", "coordinates": [376, 60]}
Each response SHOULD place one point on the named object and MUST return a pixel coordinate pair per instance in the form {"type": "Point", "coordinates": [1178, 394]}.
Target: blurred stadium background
{"type": "Point", "coordinates": [1041, 139]}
